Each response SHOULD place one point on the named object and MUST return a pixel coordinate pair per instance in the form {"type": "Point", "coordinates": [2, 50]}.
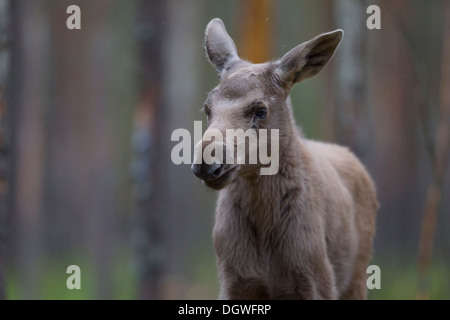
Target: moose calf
{"type": "Point", "coordinates": [305, 232]}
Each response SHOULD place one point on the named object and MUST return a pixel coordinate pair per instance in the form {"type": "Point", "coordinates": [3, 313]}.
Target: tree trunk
{"type": "Point", "coordinates": [256, 40]}
{"type": "Point", "coordinates": [351, 76]}
{"type": "Point", "coordinates": [149, 182]}
{"type": "Point", "coordinates": [31, 64]}
{"type": "Point", "coordinates": [181, 101]}
{"type": "Point", "coordinates": [81, 176]}
{"type": "Point", "coordinates": [5, 134]}
{"type": "Point", "coordinates": [439, 167]}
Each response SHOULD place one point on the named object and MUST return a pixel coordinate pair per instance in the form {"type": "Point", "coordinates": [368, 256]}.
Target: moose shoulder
{"type": "Point", "coordinates": [305, 232]}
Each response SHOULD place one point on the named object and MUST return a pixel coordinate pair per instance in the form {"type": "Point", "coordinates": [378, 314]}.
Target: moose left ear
{"type": "Point", "coordinates": [219, 46]}
{"type": "Point", "coordinates": [306, 60]}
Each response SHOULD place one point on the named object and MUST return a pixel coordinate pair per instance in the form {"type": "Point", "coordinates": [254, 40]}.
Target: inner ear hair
{"type": "Point", "coordinates": [308, 59]}
{"type": "Point", "coordinates": [318, 52]}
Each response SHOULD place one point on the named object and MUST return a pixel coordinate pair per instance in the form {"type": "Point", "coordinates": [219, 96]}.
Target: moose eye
{"type": "Point", "coordinates": [207, 112]}
{"type": "Point", "coordinates": [261, 113]}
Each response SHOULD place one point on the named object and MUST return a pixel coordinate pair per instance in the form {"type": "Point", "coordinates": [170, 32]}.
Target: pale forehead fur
{"type": "Point", "coordinates": [246, 82]}
{"type": "Point", "coordinates": [239, 83]}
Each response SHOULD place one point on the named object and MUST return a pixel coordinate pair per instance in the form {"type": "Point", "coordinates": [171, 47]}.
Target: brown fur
{"type": "Point", "coordinates": [306, 232]}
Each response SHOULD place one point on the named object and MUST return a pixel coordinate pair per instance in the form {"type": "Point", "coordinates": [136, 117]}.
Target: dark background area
{"type": "Point", "coordinates": [86, 117]}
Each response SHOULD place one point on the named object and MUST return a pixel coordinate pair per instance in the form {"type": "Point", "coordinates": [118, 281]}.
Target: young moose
{"type": "Point", "coordinates": [305, 232]}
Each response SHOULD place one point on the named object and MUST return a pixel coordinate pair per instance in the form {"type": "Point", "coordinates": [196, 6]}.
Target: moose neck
{"type": "Point", "coordinates": [260, 196]}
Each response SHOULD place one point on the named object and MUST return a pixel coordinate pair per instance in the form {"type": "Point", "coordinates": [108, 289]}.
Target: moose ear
{"type": "Point", "coordinates": [219, 46]}
{"type": "Point", "coordinates": [306, 60]}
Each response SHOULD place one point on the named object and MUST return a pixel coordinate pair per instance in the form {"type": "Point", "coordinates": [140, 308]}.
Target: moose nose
{"type": "Point", "coordinates": [207, 172]}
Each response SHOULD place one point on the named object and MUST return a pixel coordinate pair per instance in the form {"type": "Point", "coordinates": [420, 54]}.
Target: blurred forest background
{"type": "Point", "coordinates": [86, 117]}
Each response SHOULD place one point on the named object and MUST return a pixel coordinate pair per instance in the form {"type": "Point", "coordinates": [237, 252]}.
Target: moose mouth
{"type": "Point", "coordinates": [222, 180]}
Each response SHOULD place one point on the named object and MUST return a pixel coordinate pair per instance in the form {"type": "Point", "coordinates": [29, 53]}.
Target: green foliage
{"type": "Point", "coordinates": [399, 280]}
{"type": "Point", "coordinates": [204, 272]}
{"type": "Point", "coordinates": [52, 280]}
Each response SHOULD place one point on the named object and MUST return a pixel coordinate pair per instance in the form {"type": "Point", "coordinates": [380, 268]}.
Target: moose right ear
{"type": "Point", "coordinates": [306, 60]}
{"type": "Point", "coordinates": [219, 46]}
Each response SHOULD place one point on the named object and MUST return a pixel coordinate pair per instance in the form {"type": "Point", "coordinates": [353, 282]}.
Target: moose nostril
{"type": "Point", "coordinates": [207, 172]}
{"type": "Point", "coordinates": [197, 169]}
{"type": "Point", "coordinates": [212, 171]}
{"type": "Point", "coordinates": [216, 172]}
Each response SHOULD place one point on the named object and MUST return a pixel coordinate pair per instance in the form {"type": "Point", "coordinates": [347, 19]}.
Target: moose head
{"type": "Point", "coordinates": [253, 96]}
